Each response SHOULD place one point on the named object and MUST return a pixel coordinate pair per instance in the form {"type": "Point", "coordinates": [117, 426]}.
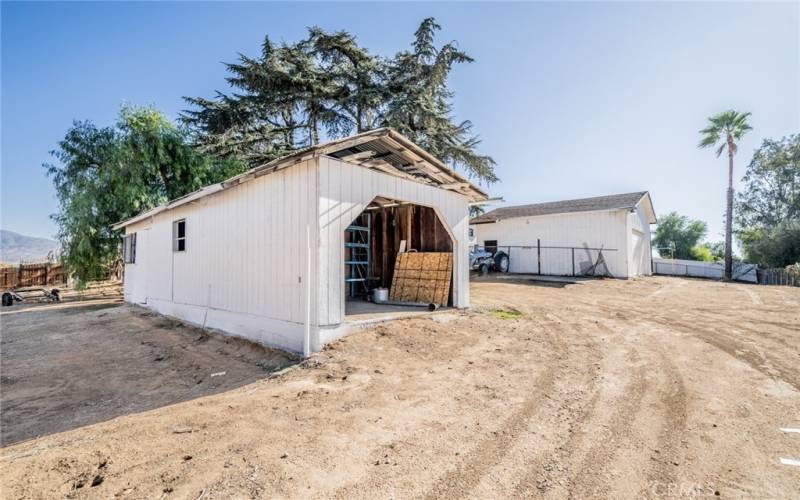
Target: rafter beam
{"type": "Point", "coordinates": [455, 185]}
{"type": "Point", "coordinates": [361, 155]}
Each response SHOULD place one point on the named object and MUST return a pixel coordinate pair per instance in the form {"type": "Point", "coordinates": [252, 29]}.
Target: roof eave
{"type": "Point", "coordinates": [597, 210]}
{"type": "Point", "coordinates": [193, 196]}
{"type": "Point", "coordinates": [652, 218]}
{"type": "Point", "coordinates": [483, 195]}
{"type": "Point", "coordinates": [476, 193]}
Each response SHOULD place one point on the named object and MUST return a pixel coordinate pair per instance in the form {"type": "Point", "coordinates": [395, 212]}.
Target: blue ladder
{"type": "Point", "coordinates": [358, 255]}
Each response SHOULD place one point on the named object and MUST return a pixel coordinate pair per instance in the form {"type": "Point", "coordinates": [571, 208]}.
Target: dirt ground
{"type": "Point", "coordinates": [89, 359]}
{"type": "Point", "coordinates": [655, 387]}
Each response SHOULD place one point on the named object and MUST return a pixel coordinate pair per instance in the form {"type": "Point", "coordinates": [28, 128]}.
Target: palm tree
{"type": "Point", "coordinates": [476, 210]}
{"type": "Point", "coordinates": [725, 130]}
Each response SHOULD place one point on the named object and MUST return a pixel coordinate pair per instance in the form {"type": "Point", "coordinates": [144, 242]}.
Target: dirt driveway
{"type": "Point", "coordinates": [653, 388]}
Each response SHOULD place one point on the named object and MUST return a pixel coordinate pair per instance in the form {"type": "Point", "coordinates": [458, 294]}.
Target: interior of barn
{"type": "Point", "coordinates": [404, 251]}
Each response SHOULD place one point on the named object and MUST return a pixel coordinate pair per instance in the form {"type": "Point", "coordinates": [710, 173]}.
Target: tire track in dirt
{"type": "Point", "coordinates": [674, 400]}
{"type": "Point", "coordinates": [754, 297]}
{"type": "Point", "coordinates": [544, 472]}
{"type": "Point", "coordinates": [736, 349]}
{"type": "Point", "coordinates": [666, 288]}
{"type": "Point", "coordinates": [589, 479]}
{"type": "Point", "coordinates": [711, 335]}
{"type": "Point", "coordinates": [785, 297]}
{"type": "Point", "coordinates": [494, 446]}
{"type": "Point", "coordinates": [559, 476]}
{"type": "Point", "coordinates": [529, 463]}
{"type": "Point", "coordinates": [760, 333]}
{"type": "Point", "coordinates": [492, 449]}
{"type": "Point", "coordinates": [669, 390]}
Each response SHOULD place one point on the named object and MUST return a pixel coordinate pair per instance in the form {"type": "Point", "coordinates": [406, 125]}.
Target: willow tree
{"type": "Point", "coordinates": [328, 85]}
{"type": "Point", "coordinates": [724, 132]}
{"type": "Point", "coordinates": [106, 174]}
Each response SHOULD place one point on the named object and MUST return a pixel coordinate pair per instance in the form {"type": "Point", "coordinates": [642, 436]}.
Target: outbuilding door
{"type": "Point", "coordinates": [637, 253]}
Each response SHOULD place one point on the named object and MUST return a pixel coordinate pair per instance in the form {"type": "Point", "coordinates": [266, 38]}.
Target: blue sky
{"type": "Point", "coordinates": [571, 99]}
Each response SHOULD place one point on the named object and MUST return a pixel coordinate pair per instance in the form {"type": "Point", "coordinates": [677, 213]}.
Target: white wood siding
{"type": "Point", "coordinates": [606, 229]}
{"type": "Point", "coordinates": [345, 191]}
{"type": "Point", "coordinates": [245, 252]}
{"type": "Point", "coordinates": [244, 268]}
{"type": "Point", "coordinates": [134, 286]}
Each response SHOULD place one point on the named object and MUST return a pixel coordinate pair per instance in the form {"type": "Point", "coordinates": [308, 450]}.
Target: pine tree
{"type": "Point", "coordinates": [327, 85]}
{"type": "Point", "coordinates": [356, 78]}
{"type": "Point", "coordinates": [421, 108]}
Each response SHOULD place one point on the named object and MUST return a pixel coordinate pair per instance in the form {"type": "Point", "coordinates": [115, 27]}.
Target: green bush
{"type": "Point", "coordinates": [777, 246]}
{"type": "Point", "coordinates": [676, 235]}
{"type": "Point", "coordinates": [702, 252]}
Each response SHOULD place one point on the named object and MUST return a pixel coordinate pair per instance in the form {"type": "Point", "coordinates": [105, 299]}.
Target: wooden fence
{"type": "Point", "coordinates": [778, 276]}
{"type": "Point", "coordinates": [32, 274]}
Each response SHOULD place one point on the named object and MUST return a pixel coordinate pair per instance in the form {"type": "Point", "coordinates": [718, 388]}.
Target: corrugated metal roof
{"type": "Point", "coordinates": [598, 203]}
{"type": "Point", "coordinates": [393, 153]}
{"type": "Point", "coordinates": [388, 151]}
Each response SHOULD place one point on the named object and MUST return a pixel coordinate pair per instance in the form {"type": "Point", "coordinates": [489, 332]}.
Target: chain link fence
{"type": "Point", "coordinates": [557, 260]}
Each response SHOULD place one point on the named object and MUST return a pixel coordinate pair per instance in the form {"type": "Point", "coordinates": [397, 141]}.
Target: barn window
{"type": "Point", "coordinates": [490, 245]}
{"type": "Point", "coordinates": [129, 248]}
{"type": "Point", "coordinates": [179, 236]}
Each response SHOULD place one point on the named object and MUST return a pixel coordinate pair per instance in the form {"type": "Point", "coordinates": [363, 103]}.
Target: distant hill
{"type": "Point", "coordinates": [15, 247]}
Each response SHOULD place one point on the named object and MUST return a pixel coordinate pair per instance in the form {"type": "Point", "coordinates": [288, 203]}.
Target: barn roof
{"type": "Point", "coordinates": [598, 203]}
{"type": "Point", "coordinates": [382, 149]}
{"type": "Point", "coordinates": [386, 150]}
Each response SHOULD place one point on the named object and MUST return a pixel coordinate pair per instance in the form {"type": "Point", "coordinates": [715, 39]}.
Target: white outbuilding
{"type": "Point", "coordinates": [277, 254]}
{"type": "Point", "coordinates": [604, 235]}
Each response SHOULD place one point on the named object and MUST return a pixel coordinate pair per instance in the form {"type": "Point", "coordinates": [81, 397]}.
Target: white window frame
{"type": "Point", "coordinates": [129, 249]}
{"type": "Point", "coordinates": [177, 239]}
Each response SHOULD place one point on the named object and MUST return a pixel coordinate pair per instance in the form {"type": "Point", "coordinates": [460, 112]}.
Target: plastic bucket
{"type": "Point", "coordinates": [380, 294]}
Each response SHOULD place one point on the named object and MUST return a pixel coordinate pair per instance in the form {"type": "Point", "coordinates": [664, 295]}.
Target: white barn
{"type": "Point", "coordinates": [567, 237]}
{"type": "Point", "coordinates": [263, 255]}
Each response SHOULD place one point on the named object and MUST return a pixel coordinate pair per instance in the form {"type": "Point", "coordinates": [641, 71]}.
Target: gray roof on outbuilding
{"type": "Point", "coordinates": [598, 203]}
